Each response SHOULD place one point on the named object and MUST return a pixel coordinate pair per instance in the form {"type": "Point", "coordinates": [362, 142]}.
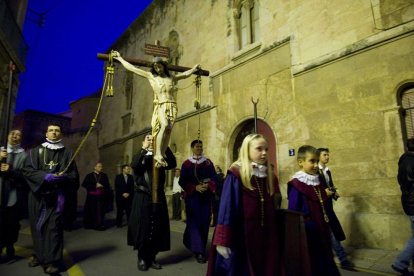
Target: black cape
{"type": "Point", "coordinates": [47, 200]}
{"type": "Point", "coordinates": [143, 212]}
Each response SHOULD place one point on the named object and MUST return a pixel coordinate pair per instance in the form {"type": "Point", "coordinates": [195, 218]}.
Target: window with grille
{"type": "Point", "coordinates": [407, 105]}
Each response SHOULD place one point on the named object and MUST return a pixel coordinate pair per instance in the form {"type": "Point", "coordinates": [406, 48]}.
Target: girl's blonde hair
{"type": "Point", "coordinates": [245, 166]}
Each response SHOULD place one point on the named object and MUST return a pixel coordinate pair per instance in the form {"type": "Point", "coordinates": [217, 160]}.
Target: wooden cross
{"type": "Point", "coordinates": [155, 50]}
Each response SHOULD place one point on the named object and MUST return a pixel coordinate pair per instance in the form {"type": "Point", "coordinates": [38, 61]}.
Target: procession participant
{"type": "Point", "coordinates": [149, 225]}
{"type": "Point", "coordinates": [43, 171]}
{"type": "Point", "coordinates": [98, 190]}
{"type": "Point", "coordinates": [12, 185]}
{"type": "Point", "coordinates": [124, 190]}
{"type": "Point", "coordinates": [245, 241]}
{"type": "Point", "coordinates": [198, 179]}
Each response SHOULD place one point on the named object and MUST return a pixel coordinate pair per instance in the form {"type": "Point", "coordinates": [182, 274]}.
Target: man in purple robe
{"type": "Point", "coordinates": [198, 179]}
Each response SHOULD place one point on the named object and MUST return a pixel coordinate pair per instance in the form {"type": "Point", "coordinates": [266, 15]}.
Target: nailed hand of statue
{"type": "Point", "coordinates": [115, 54]}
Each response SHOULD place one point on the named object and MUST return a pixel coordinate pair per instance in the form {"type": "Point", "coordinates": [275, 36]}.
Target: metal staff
{"type": "Point", "coordinates": [12, 67]}
{"type": "Point", "coordinates": [255, 113]}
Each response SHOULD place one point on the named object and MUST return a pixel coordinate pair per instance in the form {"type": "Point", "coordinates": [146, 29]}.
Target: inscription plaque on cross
{"type": "Point", "coordinates": [157, 50]}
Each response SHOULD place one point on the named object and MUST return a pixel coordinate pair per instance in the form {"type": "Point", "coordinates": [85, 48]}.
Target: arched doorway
{"type": "Point", "coordinates": [246, 128]}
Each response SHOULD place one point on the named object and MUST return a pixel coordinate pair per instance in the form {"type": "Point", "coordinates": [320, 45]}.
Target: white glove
{"type": "Point", "coordinates": [223, 251]}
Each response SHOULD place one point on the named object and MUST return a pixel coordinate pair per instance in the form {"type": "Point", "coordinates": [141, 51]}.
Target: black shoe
{"type": "Point", "coordinates": [33, 261]}
{"type": "Point", "coordinates": [51, 269]}
{"type": "Point", "coordinates": [403, 272]}
{"type": "Point", "coordinates": [347, 264]}
{"type": "Point", "coordinates": [200, 258]}
{"type": "Point", "coordinates": [67, 229]}
{"type": "Point", "coordinates": [156, 265]}
{"type": "Point", "coordinates": [10, 251]}
{"type": "Point", "coordinates": [142, 265]}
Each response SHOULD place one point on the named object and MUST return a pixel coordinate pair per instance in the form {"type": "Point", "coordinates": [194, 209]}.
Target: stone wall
{"type": "Point", "coordinates": [326, 73]}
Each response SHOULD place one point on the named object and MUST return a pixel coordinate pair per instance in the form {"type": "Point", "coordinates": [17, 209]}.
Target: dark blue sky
{"type": "Point", "coordinates": [62, 65]}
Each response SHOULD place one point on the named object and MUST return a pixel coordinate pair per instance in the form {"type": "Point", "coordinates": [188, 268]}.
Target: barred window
{"type": "Point", "coordinates": [407, 105]}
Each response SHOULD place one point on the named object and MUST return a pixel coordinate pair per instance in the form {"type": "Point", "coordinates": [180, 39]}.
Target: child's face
{"type": "Point", "coordinates": [324, 157]}
{"type": "Point", "coordinates": [258, 151]}
{"type": "Point", "coordinates": [310, 164]}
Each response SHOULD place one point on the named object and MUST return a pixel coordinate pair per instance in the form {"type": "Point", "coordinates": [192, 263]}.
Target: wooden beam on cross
{"type": "Point", "coordinates": [144, 63]}
{"type": "Point", "coordinates": [159, 51]}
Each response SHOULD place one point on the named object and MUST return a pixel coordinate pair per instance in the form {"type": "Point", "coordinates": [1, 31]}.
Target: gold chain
{"type": "Point", "coordinates": [318, 193]}
{"type": "Point", "coordinates": [259, 188]}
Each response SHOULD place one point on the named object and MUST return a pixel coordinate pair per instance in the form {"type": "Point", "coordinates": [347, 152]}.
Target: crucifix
{"type": "Point", "coordinates": [163, 85]}
{"type": "Point", "coordinates": [51, 164]}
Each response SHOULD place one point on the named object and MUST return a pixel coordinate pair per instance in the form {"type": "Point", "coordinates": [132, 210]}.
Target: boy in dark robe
{"type": "Point", "coordinates": [337, 234]}
{"type": "Point", "coordinates": [149, 224]}
{"type": "Point", "coordinates": [307, 195]}
{"type": "Point", "coordinates": [48, 171]}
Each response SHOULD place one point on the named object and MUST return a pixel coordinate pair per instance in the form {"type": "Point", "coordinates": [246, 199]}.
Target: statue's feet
{"type": "Point", "coordinates": [160, 161]}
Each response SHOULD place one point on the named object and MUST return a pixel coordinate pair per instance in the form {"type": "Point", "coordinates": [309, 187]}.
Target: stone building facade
{"type": "Point", "coordinates": [336, 74]}
{"type": "Point", "coordinates": [13, 52]}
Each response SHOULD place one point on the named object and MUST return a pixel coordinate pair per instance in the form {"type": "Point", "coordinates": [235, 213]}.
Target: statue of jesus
{"type": "Point", "coordinates": [165, 104]}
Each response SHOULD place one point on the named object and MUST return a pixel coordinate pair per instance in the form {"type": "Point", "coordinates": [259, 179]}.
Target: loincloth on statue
{"type": "Point", "coordinates": [167, 109]}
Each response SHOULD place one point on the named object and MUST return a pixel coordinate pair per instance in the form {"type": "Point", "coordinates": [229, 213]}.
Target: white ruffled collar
{"type": "Point", "coordinates": [308, 179]}
{"type": "Point", "coordinates": [197, 160]}
{"type": "Point", "coordinates": [53, 145]}
{"type": "Point", "coordinates": [14, 148]}
{"type": "Point", "coordinates": [259, 170]}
